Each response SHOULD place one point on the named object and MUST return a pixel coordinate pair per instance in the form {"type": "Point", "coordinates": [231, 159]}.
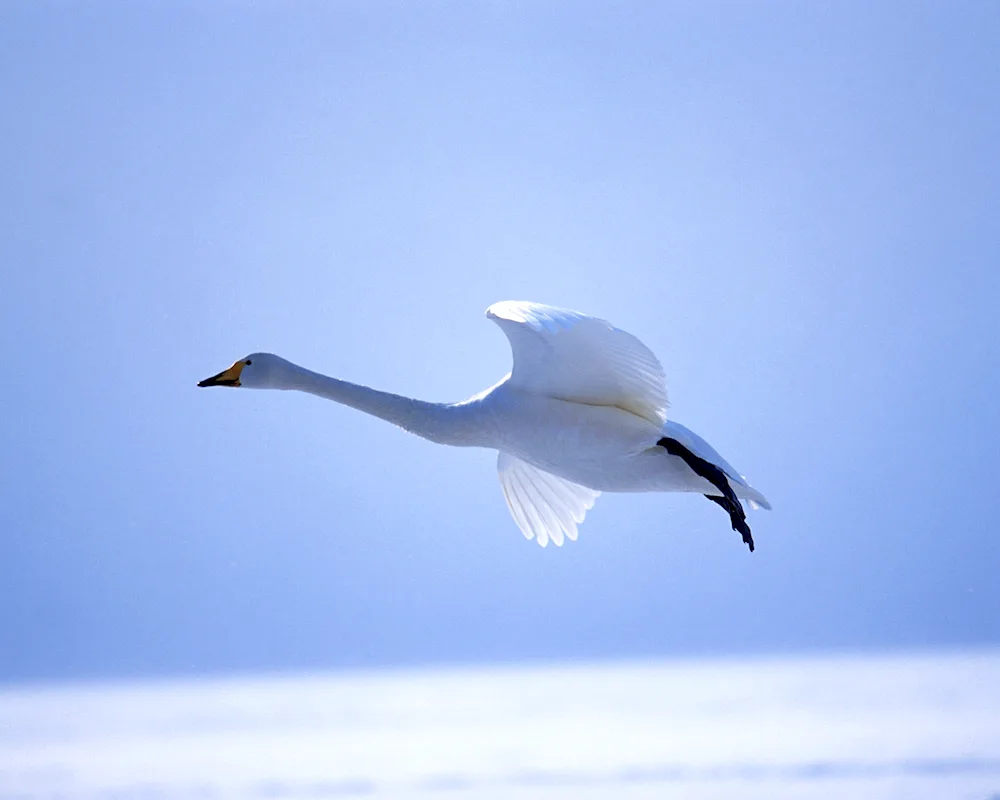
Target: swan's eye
{"type": "Point", "coordinates": [248, 362]}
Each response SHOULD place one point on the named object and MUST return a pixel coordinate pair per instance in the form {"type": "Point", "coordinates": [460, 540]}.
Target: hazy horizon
{"type": "Point", "coordinates": [818, 728]}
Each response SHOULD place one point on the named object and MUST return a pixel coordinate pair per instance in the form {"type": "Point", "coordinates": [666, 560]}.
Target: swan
{"type": "Point", "coordinates": [582, 411]}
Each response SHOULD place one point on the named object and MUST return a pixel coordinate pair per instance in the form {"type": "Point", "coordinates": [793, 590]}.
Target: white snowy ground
{"type": "Point", "coordinates": [908, 727]}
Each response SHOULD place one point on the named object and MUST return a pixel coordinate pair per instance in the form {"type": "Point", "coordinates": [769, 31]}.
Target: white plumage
{"type": "Point", "coordinates": [583, 410]}
{"type": "Point", "coordinates": [543, 505]}
{"type": "Point", "coordinates": [570, 356]}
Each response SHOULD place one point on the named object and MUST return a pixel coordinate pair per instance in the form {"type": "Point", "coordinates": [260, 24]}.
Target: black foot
{"type": "Point", "coordinates": [716, 477]}
{"type": "Point", "coordinates": [737, 516]}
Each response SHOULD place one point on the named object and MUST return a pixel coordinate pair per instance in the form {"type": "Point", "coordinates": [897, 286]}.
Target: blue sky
{"type": "Point", "coordinates": [793, 205]}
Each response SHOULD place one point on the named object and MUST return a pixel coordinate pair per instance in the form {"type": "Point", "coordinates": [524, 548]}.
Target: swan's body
{"type": "Point", "coordinates": [583, 411]}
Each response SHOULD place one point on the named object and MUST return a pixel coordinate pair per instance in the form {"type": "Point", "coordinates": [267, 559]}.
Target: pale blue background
{"type": "Point", "coordinates": [794, 205]}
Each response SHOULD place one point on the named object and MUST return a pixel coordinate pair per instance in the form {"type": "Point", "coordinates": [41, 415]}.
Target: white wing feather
{"type": "Point", "coordinates": [571, 356]}
{"type": "Point", "coordinates": [544, 506]}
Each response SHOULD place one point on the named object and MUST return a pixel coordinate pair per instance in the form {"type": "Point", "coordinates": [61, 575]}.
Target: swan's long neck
{"type": "Point", "coordinates": [459, 424]}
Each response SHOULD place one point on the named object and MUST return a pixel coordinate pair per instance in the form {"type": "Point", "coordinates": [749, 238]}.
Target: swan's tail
{"type": "Point", "coordinates": [731, 488]}
{"type": "Point", "coordinates": [745, 491]}
{"type": "Point", "coordinates": [697, 446]}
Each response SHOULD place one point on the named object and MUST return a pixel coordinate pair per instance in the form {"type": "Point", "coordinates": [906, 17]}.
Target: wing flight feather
{"type": "Point", "coordinates": [544, 506]}
{"type": "Point", "coordinates": [572, 356]}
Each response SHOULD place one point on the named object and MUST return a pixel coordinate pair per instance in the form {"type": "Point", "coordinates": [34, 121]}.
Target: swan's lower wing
{"type": "Point", "coordinates": [544, 506]}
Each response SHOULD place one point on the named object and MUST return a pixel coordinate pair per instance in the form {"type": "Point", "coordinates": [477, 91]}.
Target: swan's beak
{"type": "Point", "coordinates": [228, 377]}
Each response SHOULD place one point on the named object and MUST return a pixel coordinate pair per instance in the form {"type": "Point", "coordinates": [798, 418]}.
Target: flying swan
{"type": "Point", "coordinates": [583, 411]}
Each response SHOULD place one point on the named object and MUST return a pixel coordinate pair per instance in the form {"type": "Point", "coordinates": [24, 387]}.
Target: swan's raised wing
{"type": "Point", "coordinates": [544, 506]}
{"type": "Point", "coordinates": [571, 356]}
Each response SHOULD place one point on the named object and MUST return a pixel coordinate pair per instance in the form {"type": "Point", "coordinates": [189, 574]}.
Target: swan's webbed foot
{"type": "Point", "coordinates": [737, 516]}
{"type": "Point", "coordinates": [716, 477]}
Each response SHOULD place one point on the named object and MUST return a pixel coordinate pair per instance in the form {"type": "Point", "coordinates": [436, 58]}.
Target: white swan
{"type": "Point", "coordinates": [583, 411]}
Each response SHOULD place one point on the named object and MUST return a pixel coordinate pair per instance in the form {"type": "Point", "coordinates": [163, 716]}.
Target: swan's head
{"type": "Point", "coordinates": [255, 371]}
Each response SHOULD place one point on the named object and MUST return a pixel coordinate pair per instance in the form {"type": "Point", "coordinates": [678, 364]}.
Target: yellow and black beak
{"type": "Point", "coordinates": [228, 377]}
